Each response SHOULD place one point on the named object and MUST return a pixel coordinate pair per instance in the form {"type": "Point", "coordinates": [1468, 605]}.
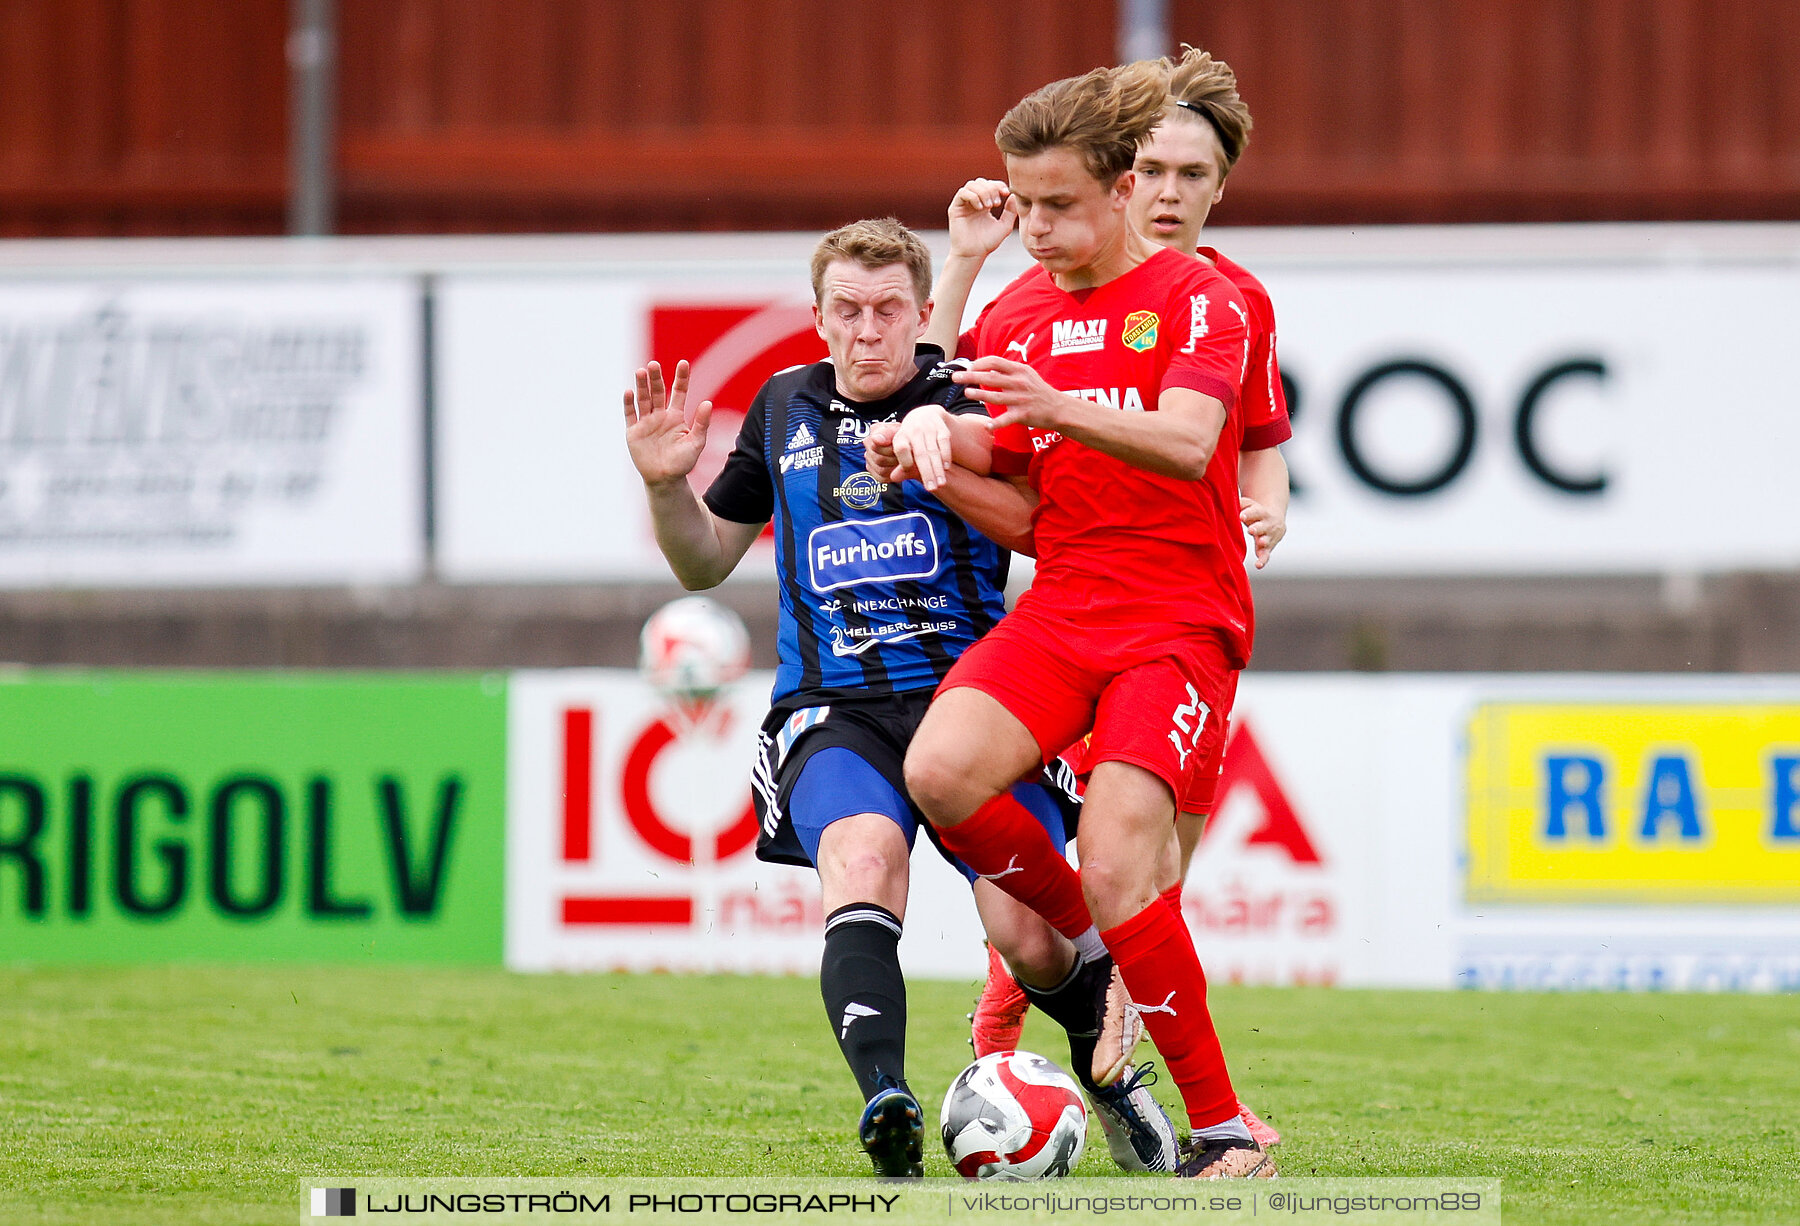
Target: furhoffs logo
{"type": "Point", "coordinates": [872, 551]}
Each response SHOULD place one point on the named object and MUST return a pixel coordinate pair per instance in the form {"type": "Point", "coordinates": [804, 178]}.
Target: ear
{"type": "Point", "coordinates": [1122, 188]}
{"type": "Point", "coordinates": [819, 321]}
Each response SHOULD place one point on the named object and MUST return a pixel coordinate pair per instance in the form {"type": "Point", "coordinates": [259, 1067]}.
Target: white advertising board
{"type": "Point", "coordinates": [1465, 400]}
{"type": "Point", "coordinates": [1480, 831]}
{"type": "Point", "coordinates": [631, 842]}
{"type": "Point", "coordinates": [176, 431]}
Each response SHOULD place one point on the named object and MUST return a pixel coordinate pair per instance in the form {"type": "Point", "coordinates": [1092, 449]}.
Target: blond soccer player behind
{"type": "Point", "coordinates": [1180, 171]}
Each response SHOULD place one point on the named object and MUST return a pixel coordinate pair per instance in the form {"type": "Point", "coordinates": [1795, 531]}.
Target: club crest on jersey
{"type": "Point", "coordinates": [855, 551]}
{"type": "Point", "coordinates": [1140, 330]}
{"type": "Point", "coordinates": [1077, 335]}
{"type": "Point", "coordinates": [861, 491]}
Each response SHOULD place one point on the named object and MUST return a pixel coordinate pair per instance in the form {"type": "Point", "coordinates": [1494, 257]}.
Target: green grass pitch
{"type": "Point", "coordinates": [200, 1095]}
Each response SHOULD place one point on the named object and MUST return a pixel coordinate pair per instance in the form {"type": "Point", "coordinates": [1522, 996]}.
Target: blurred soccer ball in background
{"type": "Point", "coordinates": [692, 648]}
{"type": "Point", "coordinates": [1012, 1115]}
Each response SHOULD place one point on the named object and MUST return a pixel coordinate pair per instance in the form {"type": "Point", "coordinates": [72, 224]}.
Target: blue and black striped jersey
{"type": "Point", "coordinates": [882, 587]}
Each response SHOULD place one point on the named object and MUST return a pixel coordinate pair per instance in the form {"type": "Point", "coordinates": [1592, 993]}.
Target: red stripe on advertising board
{"type": "Point", "coordinates": [578, 784]}
{"type": "Point", "coordinates": [622, 909]}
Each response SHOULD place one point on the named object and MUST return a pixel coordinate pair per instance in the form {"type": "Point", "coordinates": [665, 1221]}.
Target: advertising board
{"type": "Point", "coordinates": [245, 817]}
{"type": "Point", "coordinates": [184, 431]}
{"type": "Point", "coordinates": [1513, 407]}
{"type": "Point", "coordinates": [1347, 845]}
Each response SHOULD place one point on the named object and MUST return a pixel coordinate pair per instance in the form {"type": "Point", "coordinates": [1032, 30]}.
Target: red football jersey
{"type": "Point", "coordinates": [1118, 544]}
{"type": "Point", "coordinates": [1265, 403]}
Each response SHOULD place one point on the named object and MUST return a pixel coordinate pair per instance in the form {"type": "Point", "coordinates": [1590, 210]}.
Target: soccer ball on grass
{"type": "Point", "coordinates": [1012, 1115]}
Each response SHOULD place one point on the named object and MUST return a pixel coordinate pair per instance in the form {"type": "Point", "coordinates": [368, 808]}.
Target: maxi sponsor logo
{"type": "Point", "coordinates": [1634, 802]}
{"type": "Point", "coordinates": [251, 817]}
{"type": "Point", "coordinates": [1077, 335]}
{"type": "Point", "coordinates": [857, 551]}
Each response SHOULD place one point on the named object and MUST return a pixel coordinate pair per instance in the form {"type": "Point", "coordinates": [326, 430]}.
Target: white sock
{"type": "Point", "coordinates": [1089, 945]}
{"type": "Point", "coordinates": [1233, 1127]}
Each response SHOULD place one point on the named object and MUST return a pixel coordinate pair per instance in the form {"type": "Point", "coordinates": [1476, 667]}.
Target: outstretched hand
{"type": "Point", "coordinates": [665, 446]}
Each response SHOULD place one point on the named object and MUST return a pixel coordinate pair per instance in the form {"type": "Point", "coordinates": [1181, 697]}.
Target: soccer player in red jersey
{"type": "Point", "coordinates": [1180, 170]}
{"type": "Point", "coordinates": [1116, 365]}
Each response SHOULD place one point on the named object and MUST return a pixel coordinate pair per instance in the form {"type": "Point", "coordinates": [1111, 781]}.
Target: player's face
{"type": "Point", "coordinates": [870, 319]}
{"type": "Point", "coordinates": [1180, 176]}
{"type": "Point", "coordinates": [1067, 218]}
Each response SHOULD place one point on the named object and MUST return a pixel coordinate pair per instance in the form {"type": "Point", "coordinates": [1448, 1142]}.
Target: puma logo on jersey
{"type": "Point", "coordinates": [852, 1011]}
{"type": "Point", "coordinates": [1011, 868]}
{"type": "Point", "coordinates": [1077, 335]}
{"type": "Point", "coordinates": [1243, 318]}
{"type": "Point", "coordinates": [1024, 347]}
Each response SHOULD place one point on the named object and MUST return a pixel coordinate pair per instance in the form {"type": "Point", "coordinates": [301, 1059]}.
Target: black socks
{"type": "Point", "coordinates": [865, 995]}
{"type": "Point", "coordinates": [1071, 1004]}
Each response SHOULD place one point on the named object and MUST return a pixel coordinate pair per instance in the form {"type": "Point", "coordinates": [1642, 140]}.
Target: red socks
{"type": "Point", "coordinates": [1004, 843]}
{"type": "Point", "coordinates": [1168, 988]}
{"type": "Point", "coordinates": [1172, 898]}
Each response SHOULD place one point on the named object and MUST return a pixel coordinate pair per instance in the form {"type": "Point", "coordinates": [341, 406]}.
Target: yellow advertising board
{"type": "Point", "coordinates": [1634, 802]}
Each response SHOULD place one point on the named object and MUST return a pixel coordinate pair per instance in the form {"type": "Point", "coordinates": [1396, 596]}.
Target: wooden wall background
{"type": "Point", "coordinates": [170, 116]}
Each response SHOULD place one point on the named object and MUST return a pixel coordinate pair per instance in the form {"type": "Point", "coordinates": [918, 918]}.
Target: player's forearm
{"type": "Point", "coordinates": [1172, 443]}
{"type": "Point", "coordinates": [686, 534]}
{"type": "Point", "coordinates": [1263, 478]}
{"type": "Point", "coordinates": [972, 443]}
{"type": "Point", "coordinates": [949, 298]}
{"type": "Point", "coordinates": [994, 506]}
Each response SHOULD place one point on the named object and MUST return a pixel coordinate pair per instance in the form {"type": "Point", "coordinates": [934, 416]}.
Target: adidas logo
{"type": "Point", "coordinates": [852, 1011]}
{"type": "Point", "coordinates": [803, 437]}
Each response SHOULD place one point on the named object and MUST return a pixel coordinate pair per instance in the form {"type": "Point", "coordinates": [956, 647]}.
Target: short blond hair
{"type": "Point", "coordinates": [874, 243]}
{"type": "Point", "coordinates": [1103, 115]}
{"type": "Point", "coordinates": [1207, 89]}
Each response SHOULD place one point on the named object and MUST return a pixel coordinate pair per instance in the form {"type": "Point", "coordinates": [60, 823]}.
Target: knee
{"type": "Point", "coordinates": [1037, 954]}
{"type": "Point", "coordinates": [865, 859]}
{"type": "Point", "coordinates": [867, 872]}
{"type": "Point", "coordinates": [937, 784]}
{"type": "Point", "coordinates": [1115, 889]}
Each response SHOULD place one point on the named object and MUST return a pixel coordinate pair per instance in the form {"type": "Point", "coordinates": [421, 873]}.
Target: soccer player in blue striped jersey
{"type": "Point", "coordinates": [881, 589]}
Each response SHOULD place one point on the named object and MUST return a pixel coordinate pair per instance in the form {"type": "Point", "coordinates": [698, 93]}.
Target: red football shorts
{"type": "Point", "coordinates": [1204, 788]}
{"type": "Point", "coordinates": [1156, 697]}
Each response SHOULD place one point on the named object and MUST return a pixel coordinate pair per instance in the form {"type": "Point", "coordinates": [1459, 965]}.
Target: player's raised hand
{"type": "Point", "coordinates": [1023, 393]}
{"type": "Point", "coordinates": [980, 217]}
{"type": "Point", "coordinates": [1265, 525]}
{"type": "Point", "coordinates": [664, 444]}
{"type": "Point", "coordinates": [922, 445]}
